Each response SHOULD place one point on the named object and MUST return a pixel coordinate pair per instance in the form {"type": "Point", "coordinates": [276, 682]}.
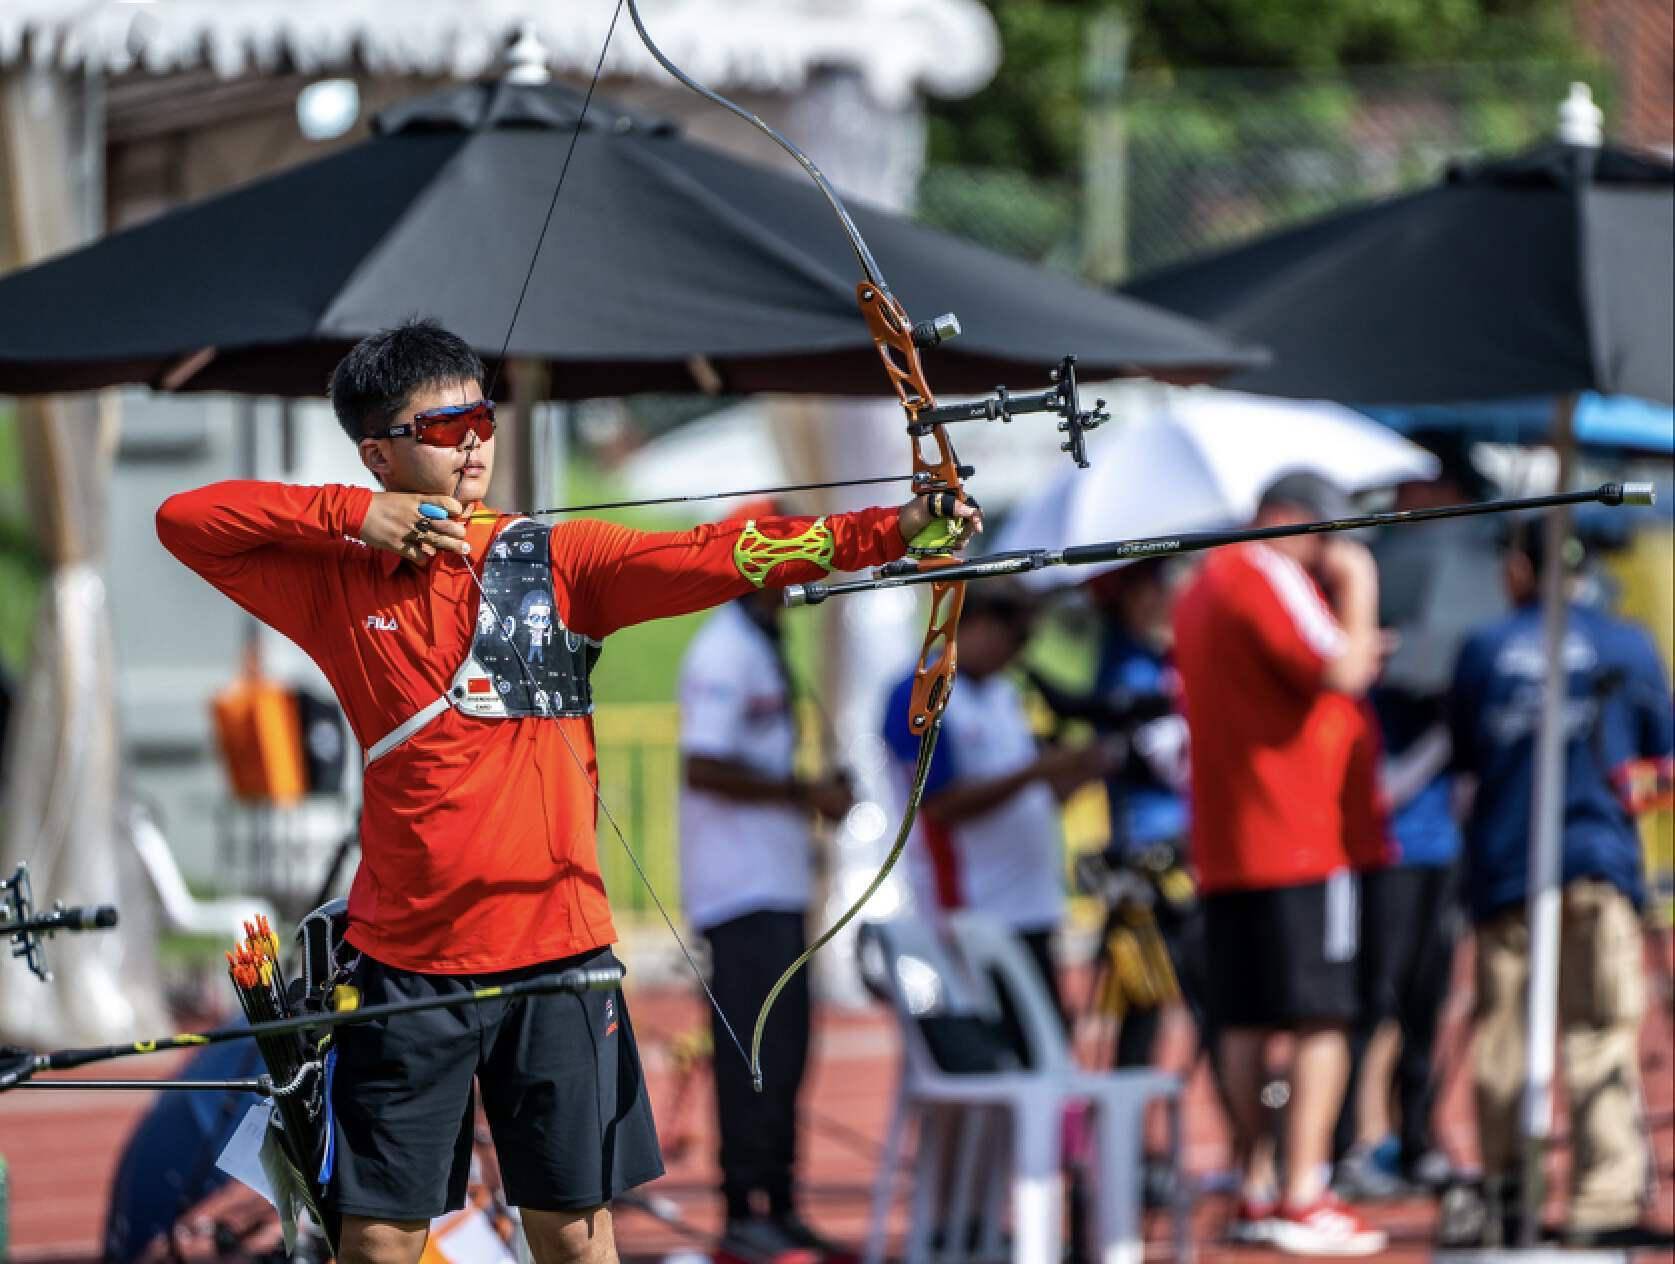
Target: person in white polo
{"type": "Point", "coordinates": [988, 835]}
{"type": "Point", "coordinates": [746, 831]}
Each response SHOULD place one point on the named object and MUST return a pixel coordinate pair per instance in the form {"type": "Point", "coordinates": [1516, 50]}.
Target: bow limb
{"type": "Point", "coordinates": [916, 794]}
{"type": "Point", "coordinates": [933, 676]}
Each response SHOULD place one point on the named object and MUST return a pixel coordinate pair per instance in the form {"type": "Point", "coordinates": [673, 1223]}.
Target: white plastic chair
{"type": "Point", "coordinates": [1119, 1099]}
{"type": "Point", "coordinates": [181, 909]}
{"type": "Point", "coordinates": [992, 1141]}
{"type": "Point", "coordinates": [961, 1120]}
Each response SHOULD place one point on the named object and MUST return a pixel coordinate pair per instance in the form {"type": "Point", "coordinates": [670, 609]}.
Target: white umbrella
{"type": "Point", "coordinates": [1201, 458]}
{"type": "Point", "coordinates": [737, 439]}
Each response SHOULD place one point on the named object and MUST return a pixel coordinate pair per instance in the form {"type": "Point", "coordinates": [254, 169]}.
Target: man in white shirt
{"type": "Point", "coordinates": [988, 835]}
{"type": "Point", "coordinates": [746, 839]}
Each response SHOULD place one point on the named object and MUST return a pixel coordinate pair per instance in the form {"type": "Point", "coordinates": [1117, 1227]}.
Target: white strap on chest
{"type": "Point", "coordinates": [396, 736]}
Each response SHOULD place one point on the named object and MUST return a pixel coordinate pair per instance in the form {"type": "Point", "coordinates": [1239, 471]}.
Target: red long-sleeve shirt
{"type": "Point", "coordinates": [1283, 769]}
{"type": "Point", "coordinates": [477, 836]}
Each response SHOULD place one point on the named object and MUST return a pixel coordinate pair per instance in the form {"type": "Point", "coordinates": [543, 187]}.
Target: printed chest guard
{"type": "Point", "coordinates": [524, 663]}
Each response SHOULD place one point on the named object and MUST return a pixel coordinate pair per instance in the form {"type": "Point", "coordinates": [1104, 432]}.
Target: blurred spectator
{"type": "Point", "coordinates": [746, 840]}
{"type": "Point", "coordinates": [988, 836]}
{"type": "Point", "coordinates": [1618, 725]}
{"type": "Point", "coordinates": [1142, 875]}
{"type": "Point", "coordinates": [1137, 681]}
{"type": "Point", "coordinates": [1436, 581]}
{"type": "Point", "coordinates": [1275, 642]}
{"type": "Point", "coordinates": [1150, 952]}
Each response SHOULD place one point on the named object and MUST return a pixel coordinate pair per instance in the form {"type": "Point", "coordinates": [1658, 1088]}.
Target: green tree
{"type": "Point", "coordinates": [1309, 35]}
{"type": "Point", "coordinates": [1029, 118]}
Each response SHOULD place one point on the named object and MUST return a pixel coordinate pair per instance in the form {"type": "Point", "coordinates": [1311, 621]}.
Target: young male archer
{"type": "Point", "coordinates": [479, 800]}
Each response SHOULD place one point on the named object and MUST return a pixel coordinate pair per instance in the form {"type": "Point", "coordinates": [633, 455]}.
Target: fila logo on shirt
{"type": "Point", "coordinates": [381, 623]}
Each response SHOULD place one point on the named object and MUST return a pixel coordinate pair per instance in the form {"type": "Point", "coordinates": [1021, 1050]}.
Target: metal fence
{"type": "Point", "coordinates": [1213, 158]}
{"type": "Point", "coordinates": [1177, 164]}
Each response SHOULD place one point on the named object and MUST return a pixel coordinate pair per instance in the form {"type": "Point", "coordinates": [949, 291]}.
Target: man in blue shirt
{"type": "Point", "coordinates": [1147, 805]}
{"type": "Point", "coordinates": [1135, 681]}
{"type": "Point", "coordinates": [1618, 722]}
{"type": "Point", "coordinates": [1437, 583]}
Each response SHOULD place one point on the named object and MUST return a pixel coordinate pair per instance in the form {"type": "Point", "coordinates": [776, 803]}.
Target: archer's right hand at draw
{"type": "Point", "coordinates": [395, 525]}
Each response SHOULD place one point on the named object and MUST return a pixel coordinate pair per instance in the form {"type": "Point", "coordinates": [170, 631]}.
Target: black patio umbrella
{"type": "Point", "coordinates": [1542, 274]}
{"type": "Point", "coordinates": [661, 250]}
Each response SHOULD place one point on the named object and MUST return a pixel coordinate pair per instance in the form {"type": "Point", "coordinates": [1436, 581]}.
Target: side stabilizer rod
{"type": "Point", "coordinates": [910, 571]}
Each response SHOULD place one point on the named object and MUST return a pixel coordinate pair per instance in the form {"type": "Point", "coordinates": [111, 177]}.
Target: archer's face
{"type": "Point", "coordinates": [406, 465]}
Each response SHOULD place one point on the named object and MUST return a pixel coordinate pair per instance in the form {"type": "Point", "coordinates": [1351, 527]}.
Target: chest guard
{"type": "Point", "coordinates": [523, 663]}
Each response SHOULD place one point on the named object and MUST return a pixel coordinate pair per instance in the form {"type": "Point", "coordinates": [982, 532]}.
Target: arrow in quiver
{"type": "Point", "coordinates": [296, 1060]}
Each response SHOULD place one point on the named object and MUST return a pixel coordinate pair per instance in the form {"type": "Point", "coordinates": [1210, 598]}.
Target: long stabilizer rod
{"type": "Point", "coordinates": [18, 1065]}
{"type": "Point", "coordinates": [908, 571]}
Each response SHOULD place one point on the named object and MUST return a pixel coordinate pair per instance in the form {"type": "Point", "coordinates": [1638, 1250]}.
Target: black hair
{"type": "Point", "coordinates": [1525, 535]}
{"type": "Point", "coordinates": [383, 370]}
{"type": "Point", "coordinates": [1453, 451]}
{"type": "Point", "coordinates": [1004, 602]}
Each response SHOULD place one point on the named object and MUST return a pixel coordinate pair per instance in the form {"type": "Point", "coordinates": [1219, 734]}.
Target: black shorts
{"type": "Point", "coordinates": [1283, 956]}
{"type": "Point", "coordinates": [560, 1081]}
{"type": "Point", "coordinates": [1406, 922]}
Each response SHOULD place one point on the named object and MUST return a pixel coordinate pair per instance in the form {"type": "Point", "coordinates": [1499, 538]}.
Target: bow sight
{"type": "Point", "coordinates": [26, 928]}
{"type": "Point", "coordinates": [19, 906]}
{"type": "Point", "coordinates": [1061, 398]}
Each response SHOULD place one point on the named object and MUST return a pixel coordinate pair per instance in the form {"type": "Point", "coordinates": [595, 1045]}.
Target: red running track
{"type": "Point", "coordinates": [62, 1147]}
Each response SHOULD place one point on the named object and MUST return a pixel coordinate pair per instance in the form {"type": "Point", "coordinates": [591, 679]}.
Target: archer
{"type": "Point", "coordinates": [479, 862]}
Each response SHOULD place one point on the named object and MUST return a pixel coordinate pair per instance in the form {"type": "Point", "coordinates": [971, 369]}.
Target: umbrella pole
{"type": "Point", "coordinates": [516, 477]}
{"type": "Point", "coordinates": [1544, 894]}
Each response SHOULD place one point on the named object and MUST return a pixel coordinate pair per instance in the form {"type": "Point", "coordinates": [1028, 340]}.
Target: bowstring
{"type": "Point", "coordinates": [593, 786]}
{"type": "Point", "coordinates": [874, 276]}
{"type": "Point", "coordinates": [599, 799]}
{"type": "Point", "coordinates": [552, 205]}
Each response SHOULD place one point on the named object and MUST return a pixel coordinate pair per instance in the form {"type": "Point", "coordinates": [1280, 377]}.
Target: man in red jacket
{"type": "Point", "coordinates": [1275, 643]}
{"type": "Point", "coordinates": [460, 649]}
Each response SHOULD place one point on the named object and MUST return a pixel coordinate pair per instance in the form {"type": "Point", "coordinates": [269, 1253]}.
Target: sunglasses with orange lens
{"type": "Point", "coordinates": [446, 427]}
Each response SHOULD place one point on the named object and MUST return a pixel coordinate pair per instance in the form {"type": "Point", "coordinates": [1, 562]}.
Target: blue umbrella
{"type": "Point", "coordinates": [1612, 422]}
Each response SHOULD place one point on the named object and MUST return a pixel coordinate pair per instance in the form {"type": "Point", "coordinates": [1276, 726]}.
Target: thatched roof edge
{"type": "Point", "coordinates": [899, 48]}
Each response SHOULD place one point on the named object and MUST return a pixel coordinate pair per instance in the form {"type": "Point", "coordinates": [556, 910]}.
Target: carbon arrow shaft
{"type": "Point", "coordinates": [920, 486]}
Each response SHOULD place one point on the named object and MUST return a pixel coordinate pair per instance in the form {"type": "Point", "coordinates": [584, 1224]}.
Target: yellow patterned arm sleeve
{"type": "Point", "coordinates": [755, 555]}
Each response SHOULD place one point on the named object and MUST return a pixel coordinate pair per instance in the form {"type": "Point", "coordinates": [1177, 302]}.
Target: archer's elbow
{"type": "Point", "coordinates": [174, 522]}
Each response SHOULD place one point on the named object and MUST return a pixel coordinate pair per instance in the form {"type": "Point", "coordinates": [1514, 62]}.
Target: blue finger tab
{"type": "Point", "coordinates": [432, 511]}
